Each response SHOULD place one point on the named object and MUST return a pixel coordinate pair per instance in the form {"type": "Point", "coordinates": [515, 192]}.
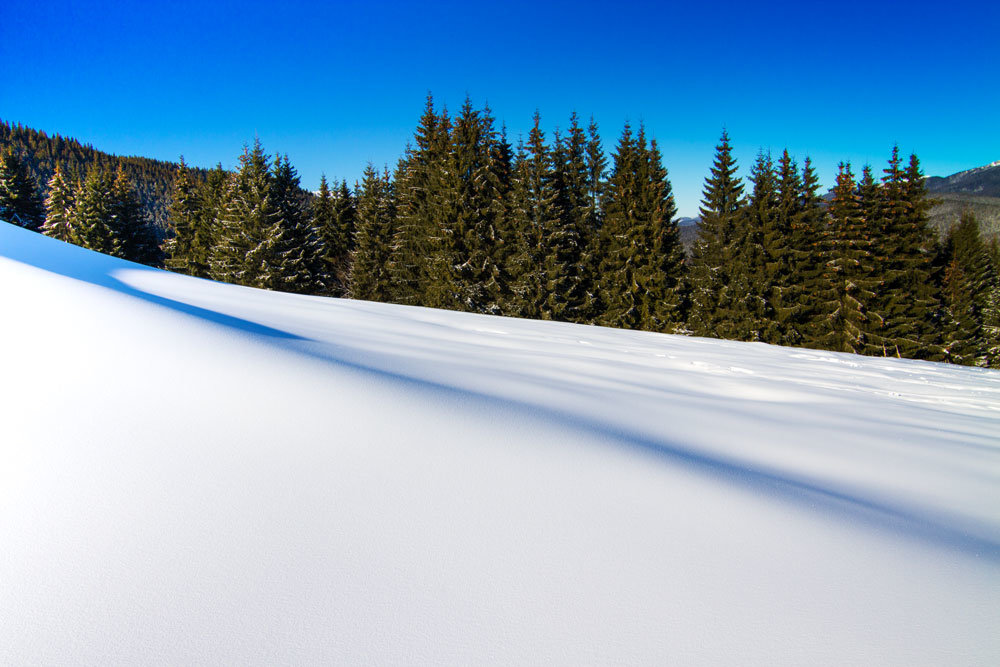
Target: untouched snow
{"type": "Point", "coordinates": [197, 473]}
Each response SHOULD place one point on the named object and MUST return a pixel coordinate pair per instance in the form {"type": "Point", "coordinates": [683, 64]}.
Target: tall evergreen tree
{"type": "Point", "coordinates": [59, 209]}
{"type": "Point", "coordinates": [249, 226]}
{"type": "Point", "coordinates": [642, 258]}
{"type": "Point", "coordinates": [468, 253]}
{"type": "Point", "coordinates": [19, 203]}
{"type": "Point", "coordinates": [370, 278]}
{"type": "Point", "coordinates": [136, 236]}
{"type": "Point", "coordinates": [714, 261]}
{"type": "Point", "coordinates": [94, 214]}
{"type": "Point", "coordinates": [968, 280]}
{"type": "Point", "coordinates": [416, 193]}
{"type": "Point", "coordinates": [907, 301]}
{"type": "Point", "coordinates": [537, 213]}
{"type": "Point", "coordinates": [849, 257]}
{"type": "Point", "coordinates": [300, 252]}
{"type": "Point", "coordinates": [565, 291]}
{"type": "Point", "coordinates": [798, 306]}
{"type": "Point", "coordinates": [185, 207]}
{"type": "Point", "coordinates": [761, 254]}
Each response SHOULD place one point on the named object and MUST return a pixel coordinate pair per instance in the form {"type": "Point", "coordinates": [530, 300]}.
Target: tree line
{"type": "Point", "coordinates": [40, 153]}
{"type": "Point", "coordinates": [549, 228]}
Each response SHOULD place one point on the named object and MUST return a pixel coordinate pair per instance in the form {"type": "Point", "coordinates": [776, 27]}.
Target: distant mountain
{"type": "Point", "coordinates": [981, 182]}
{"type": "Point", "coordinates": [976, 190]}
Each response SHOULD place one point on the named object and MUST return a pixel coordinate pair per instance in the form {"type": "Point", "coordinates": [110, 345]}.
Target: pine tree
{"type": "Point", "coordinates": [19, 203]}
{"type": "Point", "coordinates": [714, 260]}
{"type": "Point", "coordinates": [135, 234]}
{"type": "Point", "coordinates": [210, 205]}
{"type": "Point", "coordinates": [537, 213]}
{"type": "Point", "coordinates": [416, 199]}
{"type": "Point", "coordinates": [370, 278]}
{"type": "Point", "coordinates": [468, 255]}
{"type": "Point", "coordinates": [906, 302]}
{"type": "Point", "coordinates": [185, 206]}
{"type": "Point", "coordinates": [565, 291]}
{"type": "Point", "coordinates": [94, 214]}
{"type": "Point", "coordinates": [249, 226]}
{"type": "Point", "coordinates": [642, 259]}
{"type": "Point", "coordinates": [849, 257]}
{"type": "Point", "coordinates": [300, 252]}
{"type": "Point", "coordinates": [760, 250]}
{"type": "Point", "coordinates": [968, 280]}
{"type": "Point", "coordinates": [798, 305]}
{"type": "Point", "coordinates": [59, 209]}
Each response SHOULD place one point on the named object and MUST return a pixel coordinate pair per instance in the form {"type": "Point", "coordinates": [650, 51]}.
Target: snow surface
{"type": "Point", "coordinates": [199, 473]}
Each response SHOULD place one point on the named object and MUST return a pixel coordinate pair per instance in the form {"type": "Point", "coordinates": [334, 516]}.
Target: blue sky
{"type": "Point", "coordinates": [335, 85]}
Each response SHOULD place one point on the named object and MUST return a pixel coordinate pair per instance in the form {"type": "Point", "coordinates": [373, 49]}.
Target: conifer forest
{"type": "Point", "coordinates": [548, 227]}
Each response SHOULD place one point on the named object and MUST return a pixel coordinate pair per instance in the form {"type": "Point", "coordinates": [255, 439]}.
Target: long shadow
{"type": "Point", "coordinates": [932, 530]}
{"type": "Point", "coordinates": [841, 504]}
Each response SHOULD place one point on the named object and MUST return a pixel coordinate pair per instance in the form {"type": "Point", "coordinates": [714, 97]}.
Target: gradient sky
{"type": "Point", "coordinates": [337, 84]}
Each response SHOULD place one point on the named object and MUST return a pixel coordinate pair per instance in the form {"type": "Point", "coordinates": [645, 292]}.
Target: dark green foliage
{"type": "Point", "coordinates": [299, 251]}
{"type": "Point", "coordinates": [640, 284]}
{"type": "Point", "coordinates": [906, 299]}
{"type": "Point", "coordinates": [468, 254]}
{"type": "Point", "coordinates": [370, 279]}
{"type": "Point", "coordinates": [94, 215]}
{"type": "Point", "coordinates": [536, 207]}
{"type": "Point", "coordinates": [761, 256]}
{"type": "Point", "coordinates": [137, 238]}
{"type": "Point", "coordinates": [849, 257]}
{"type": "Point", "coordinates": [969, 297]}
{"type": "Point", "coordinates": [250, 232]}
{"type": "Point", "coordinates": [417, 197]}
{"type": "Point", "coordinates": [59, 209]}
{"type": "Point", "coordinates": [715, 263]}
{"type": "Point", "coordinates": [19, 202]}
{"type": "Point", "coordinates": [181, 245]}
{"type": "Point", "coordinates": [333, 219]}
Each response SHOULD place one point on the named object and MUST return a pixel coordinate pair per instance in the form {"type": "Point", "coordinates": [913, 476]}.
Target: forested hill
{"type": "Point", "coordinates": [153, 179]}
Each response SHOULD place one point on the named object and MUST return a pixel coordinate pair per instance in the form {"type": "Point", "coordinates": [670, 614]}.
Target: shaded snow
{"type": "Point", "coordinates": [193, 472]}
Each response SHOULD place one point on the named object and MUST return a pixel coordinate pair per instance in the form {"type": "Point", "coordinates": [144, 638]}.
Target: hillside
{"type": "Point", "coordinates": [302, 480]}
{"type": "Point", "coordinates": [153, 179]}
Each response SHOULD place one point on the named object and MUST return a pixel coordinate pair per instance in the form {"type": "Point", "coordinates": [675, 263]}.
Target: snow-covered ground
{"type": "Point", "coordinates": [198, 473]}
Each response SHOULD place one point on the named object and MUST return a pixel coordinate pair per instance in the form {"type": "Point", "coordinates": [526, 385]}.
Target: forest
{"type": "Point", "coordinates": [551, 228]}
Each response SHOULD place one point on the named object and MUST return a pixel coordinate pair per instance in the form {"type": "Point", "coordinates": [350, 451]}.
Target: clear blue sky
{"type": "Point", "coordinates": [335, 85]}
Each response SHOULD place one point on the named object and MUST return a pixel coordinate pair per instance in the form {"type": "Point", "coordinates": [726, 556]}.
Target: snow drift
{"type": "Point", "coordinates": [193, 472]}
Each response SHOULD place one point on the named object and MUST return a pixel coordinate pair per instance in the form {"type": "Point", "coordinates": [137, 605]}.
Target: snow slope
{"type": "Point", "coordinates": [198, 473]}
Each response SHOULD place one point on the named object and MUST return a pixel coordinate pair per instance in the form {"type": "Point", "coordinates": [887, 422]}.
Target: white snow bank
{"type": "Point", "coordinates": [193, 472]}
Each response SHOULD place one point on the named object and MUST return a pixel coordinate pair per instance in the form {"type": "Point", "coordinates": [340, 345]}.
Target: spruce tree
{"type": "Point", "coordinates": [129, 223]}
{"type": "Point", "coordinates": [94, 214]}
{"type": "Point", "coordinates": [845, 305]}
{"type": "Point", "coordinates": [19, 203]}
{"type": "Point", "coordinates": [300, 252]}
{"type": "Point", "coordinates": [761, 266]}
{"type": "Point", "coordinates": [249, 226]}
{"type": "Point", "coordinates": [537, 214]}
{"type": "Point", "coordinates": [642, 259]}
{"type": "Point", "coordinates": [59, 208]}
{"type": "Point", "coordinates": [468, 252]}
{"type": "Point", "coordinates": [968, 280]}
{"type": "Point", "coordinates": [416, 193]}
{"type": "Point", "coordinates": [185, 207]}
{"type": "Point", "coordinates": [798, 306]}
{"type": "Point", "coordinates": [907, 302]}
{"type": "Point", "coordinates": [564, 288]}
{"type": "Point", "coordinates": [714, 261]}
{"type": "Point", "coordinates": [370, 278]}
